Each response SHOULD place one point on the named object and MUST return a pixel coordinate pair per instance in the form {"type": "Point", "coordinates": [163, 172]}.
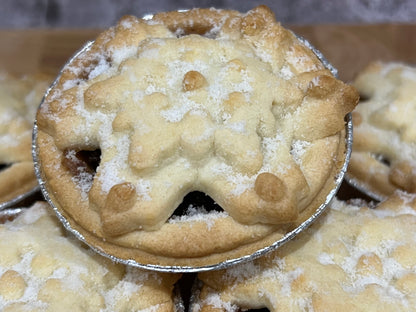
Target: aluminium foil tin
{"type": "Point", "coordinates": [20, 199]}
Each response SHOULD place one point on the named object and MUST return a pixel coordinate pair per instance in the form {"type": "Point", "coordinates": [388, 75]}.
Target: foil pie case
{"type": "Point", "coordinates": [225, 264]}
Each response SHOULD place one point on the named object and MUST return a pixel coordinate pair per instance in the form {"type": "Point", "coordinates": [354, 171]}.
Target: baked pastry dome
{"type": "Point", "coordinates": [354, 258]}
{"type": "Point", "coordinates": [44, 269]}
{"type": "Point", "coordinates": [384, 150]}
{"type": "Point", "coordinates": [19, 101]}
{"type": "Point", "coordinates": [229, 104]}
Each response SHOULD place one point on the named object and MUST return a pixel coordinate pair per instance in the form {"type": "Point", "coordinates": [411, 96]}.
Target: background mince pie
{"type": "Point", "coordinates": [356, 257]}
{"type": "Point", "coordinates": [19, 100]}
{"type": "Point", "coordinates": [42, 268]}
{"type": "Point", "coordinates": [384, 150]}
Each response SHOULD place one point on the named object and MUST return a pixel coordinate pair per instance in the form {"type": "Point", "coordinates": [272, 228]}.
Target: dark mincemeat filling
{"type": "Point", "coordinates": [364, 97]}
{"type": "Point", "coordinates": [383, 159]}
{"type": "Point", "coordinates": [202, 30]}
{"type": "Point", "coordinates": [196, 199]}
{"type": "Point", "coordinates": [4, 166]}
{"type": "Point", "coordinates": [84, 161]}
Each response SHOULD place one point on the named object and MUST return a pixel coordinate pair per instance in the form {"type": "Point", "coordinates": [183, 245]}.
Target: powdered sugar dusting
{"type": "Point", "coordinates": [176, 114]}
{"type": "Point", "coordinates": [270, 146]}
{"type": "Point", "coordinates": [110, 171]}
{"type": "Point", "coordinates": [243, 182]}
{"type": "Point", "coordinates": [124, 53]}
{"type": "Point", "coordinates": [362, 256]}
{"type": "Point", "coordinates": [240, 181]}
{"type": "Point", "coordinates": [198, 214]}
{"type": "Point", "coordinates": [325, 258]}
{"type": "Point", "coordinates": [286, 72]}
{"type": "Point", "coordinates": [143, 189]}
{"type": "Point", "coordinates": [301, 62]}
{"type": "Point", "coordinates": [298, 149]}
{"type": "Point", "coordinates": [215, 301]}
{"type": "Point", "coordinates": [102, 67]}
{"type": "Point", "coordinates": [83, 180]}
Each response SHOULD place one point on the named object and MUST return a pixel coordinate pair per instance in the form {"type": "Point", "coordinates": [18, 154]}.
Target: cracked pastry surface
{"type": "Point", "coordinates": [43, 269]}
{"type": "Point", "coordinates": [354, 258]}
{"type": "Point", "coordinates": [384, 148]}
{"type": "Point", "coordinates": [229, 104]}
{"type": "Point", "coordinates": [19, 101]}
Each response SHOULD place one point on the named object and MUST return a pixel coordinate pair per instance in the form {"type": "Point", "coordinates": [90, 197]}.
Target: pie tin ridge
{"type": "Point", "coordinates": [362, 187]}
{"type": "Point", "coordinates": [19, 198]}
{"type": "Point", "coordinates": [226, 263]}
{"type": "Point", "coordinates": [11, 212]}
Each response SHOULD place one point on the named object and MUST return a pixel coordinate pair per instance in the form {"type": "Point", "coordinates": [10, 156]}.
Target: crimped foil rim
{"type": "Point", "coordinates": [19, 198]}
{"type": "Point", "coordinates": [362, 187]}
{"type": "Point", "coordinates": [224, 264]}
{"type": "Point", "coordinates": [11, 212]}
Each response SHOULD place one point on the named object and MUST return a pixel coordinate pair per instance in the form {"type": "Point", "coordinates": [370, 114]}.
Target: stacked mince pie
{"type": "Point", "coordinates": [384, 151]}
{"type": "Point", "coordinates": [189, 139]}
{"type": "Point", "coordinates": [44, 269]}
{"type": "Point", "coordinates": [354, 258]}
{"type": "Point", "coordinates": [19, 100]}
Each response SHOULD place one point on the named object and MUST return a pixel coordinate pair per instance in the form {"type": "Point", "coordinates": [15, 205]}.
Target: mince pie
{"type": "Point", "coordinates": [198, 103]}
{"type": "Point", "coordinates": [354, 258]}
{"type": "Point", "coordinates": [19, 101]}
{"type": "Point", "coordinates": [43, 269]}
{"type": "Point", "coordinates": [384, 149]}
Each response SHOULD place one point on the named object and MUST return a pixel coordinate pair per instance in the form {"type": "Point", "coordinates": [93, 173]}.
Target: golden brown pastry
{"type": "Point", "coordinates": [355, 258]}
{"type": "Point", "coordinates": [43, 269]}
{"type": "Point", "coordinates": [19, 100]}
{"type": "Point", "coordinates": [384, 149]}
{"type": "Point", "coordinates": [229, 104]}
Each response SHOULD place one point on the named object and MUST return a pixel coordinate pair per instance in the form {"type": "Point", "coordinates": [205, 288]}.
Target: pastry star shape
{"type": "Point", "coordinates": [193, 123]}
